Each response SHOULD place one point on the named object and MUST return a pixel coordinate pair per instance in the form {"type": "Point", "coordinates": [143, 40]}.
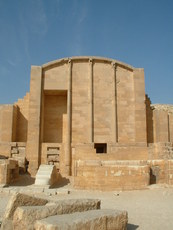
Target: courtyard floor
{"type": "Point", "coordinates": [150, 209]}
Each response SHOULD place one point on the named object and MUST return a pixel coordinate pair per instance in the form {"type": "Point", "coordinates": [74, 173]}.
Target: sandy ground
{"type": "Point", "coordinates": [150, 209]}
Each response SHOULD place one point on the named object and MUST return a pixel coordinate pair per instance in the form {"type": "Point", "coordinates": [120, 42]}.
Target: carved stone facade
{"type": "Point", "coordinates": [91, 118]}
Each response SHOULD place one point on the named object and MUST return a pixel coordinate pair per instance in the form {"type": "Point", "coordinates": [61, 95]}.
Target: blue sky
{"type": "Point", "coordinates": [137, 32]}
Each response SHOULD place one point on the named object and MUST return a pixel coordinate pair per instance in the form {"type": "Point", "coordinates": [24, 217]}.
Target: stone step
{"type": "Point", "coordinates": [42, 181]}
{"type": "Point", "coordinates": [105, 219]}
{"type": "Point", "coordinates": [43, 176]}
{"type": "Point", "coordinates": [46, 175]}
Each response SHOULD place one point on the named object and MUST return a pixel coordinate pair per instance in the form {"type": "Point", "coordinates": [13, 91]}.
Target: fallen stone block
{"type": "Point", "coordinates": [25, 217]}
{"type": "Point", "coordinates": [93, 219]}
{"type": "Point", "coordinates": [20, 199]}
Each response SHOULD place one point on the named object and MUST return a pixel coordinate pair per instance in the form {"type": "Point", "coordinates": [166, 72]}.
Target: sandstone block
{"type": "Point", "coordinates": [25, 217]}
{"type": "Point", "coordinates": [20, 199]}
{"type": "Point", "coordinates": [93, 219]}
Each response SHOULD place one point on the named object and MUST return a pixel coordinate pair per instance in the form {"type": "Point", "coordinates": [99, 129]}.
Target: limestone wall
{"type": "Point", "coordinates": [159, 122]}
{"type": "Point", "coordinates": [22, 118]}
{"type": "Point", "coordinates": [7, 128]}
{"type": "Point", "coordinates": [125, 106]}
{"type": "Point", "coordinates": [108, 176]}
{"type": "Point", "coordinates": [84, 108]}
{"type": "Point", "coordinates": [107, 99]}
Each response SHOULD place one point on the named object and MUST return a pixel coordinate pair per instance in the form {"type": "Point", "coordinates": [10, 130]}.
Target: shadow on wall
{"type": "Point", "coordinates": [149, 120]}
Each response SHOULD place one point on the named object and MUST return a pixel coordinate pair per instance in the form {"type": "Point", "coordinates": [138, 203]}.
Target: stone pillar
{"type": "Point", "coordinates": [33, 135]}
{"type": "Point", "coordinates": [114, 106]}
{"type": "Point", "coordinates": [91, 131]}
{"type": "Point", "coordinates": [140, 107]}
{"type": "Point", "coordinates": [69, 111]}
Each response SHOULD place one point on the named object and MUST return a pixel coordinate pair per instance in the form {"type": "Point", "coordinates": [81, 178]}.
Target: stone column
{"type": "Point", "coordinates": [140, 107]}
{"type": "Point", "coordinates": [69, 111]}
{"type": "Point", "coordinates": [33, 134]}
{"type": "Point", "coordinates": [115, 120]}
{"type": "Point", "coordinates": [91, 131]}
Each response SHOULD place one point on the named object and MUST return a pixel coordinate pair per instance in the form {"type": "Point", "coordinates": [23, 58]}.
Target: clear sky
{"type": "Point", "coordinates": [137, 32]}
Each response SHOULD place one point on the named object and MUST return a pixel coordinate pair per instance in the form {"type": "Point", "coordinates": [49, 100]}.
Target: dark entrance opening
{"type": "Point", "coordinates": [100, 147]}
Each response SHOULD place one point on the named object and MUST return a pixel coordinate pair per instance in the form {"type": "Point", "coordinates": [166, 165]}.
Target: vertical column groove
{"type": "Point", "coordinates": [115, 117]}
{"type": "Point", "coordinates": [91, 136]}
{"type": "Point", "coordinates": [169, 139]}
{"type": "Point", "coordinates": [69, 110]}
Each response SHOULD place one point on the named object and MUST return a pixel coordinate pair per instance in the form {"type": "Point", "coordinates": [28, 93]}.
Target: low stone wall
{"type": "Point", "coordinates": [111, 175]}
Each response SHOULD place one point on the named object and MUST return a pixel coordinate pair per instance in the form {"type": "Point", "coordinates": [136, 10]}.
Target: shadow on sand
{"type": "Point", "coordinates": [24, 180]}
{"type": "Point", "coordinates": [62, 181]}
{"type": "Point", "coordinates": [132, 227]}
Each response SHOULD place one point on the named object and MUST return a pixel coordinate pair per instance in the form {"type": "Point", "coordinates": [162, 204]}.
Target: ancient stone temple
{"type": "Point", "coordinates": [91, 118]}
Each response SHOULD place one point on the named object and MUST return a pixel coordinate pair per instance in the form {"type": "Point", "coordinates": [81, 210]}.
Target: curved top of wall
{"type": "Point", "coordinates": [87, 58]}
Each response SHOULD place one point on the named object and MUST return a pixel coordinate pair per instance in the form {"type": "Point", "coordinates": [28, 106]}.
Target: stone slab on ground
{"type": "Point", "coordinates": [20, 199]}
{"type": "Point", "coordinates": [25, 217]}
{"type": "Point", "coordinates": [94, 219]}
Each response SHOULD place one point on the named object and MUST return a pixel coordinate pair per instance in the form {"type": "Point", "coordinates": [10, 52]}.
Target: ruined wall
{"type": "Point", "coordinates": [162, 123]}
{"type": "Point", "coordinates": [6, 123]}
{"type": "Point", "coordinates": [22, 119]}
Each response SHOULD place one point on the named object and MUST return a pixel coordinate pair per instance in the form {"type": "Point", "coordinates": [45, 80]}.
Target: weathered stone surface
{"type": "Point", "coordinates": [94, 219]}
{"type": "Point", "coordinates": [9, 171]}
{"type": "Point", "coordinates": [7, 224]}
{"type": "Point", "coordinates": [20, 199]}
{"type": "Point", "coordinates": [25, 217]}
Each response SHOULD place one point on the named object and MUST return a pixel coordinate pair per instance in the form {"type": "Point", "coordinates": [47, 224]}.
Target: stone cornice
{"type": "Point", "coordinates": [87, 58]}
